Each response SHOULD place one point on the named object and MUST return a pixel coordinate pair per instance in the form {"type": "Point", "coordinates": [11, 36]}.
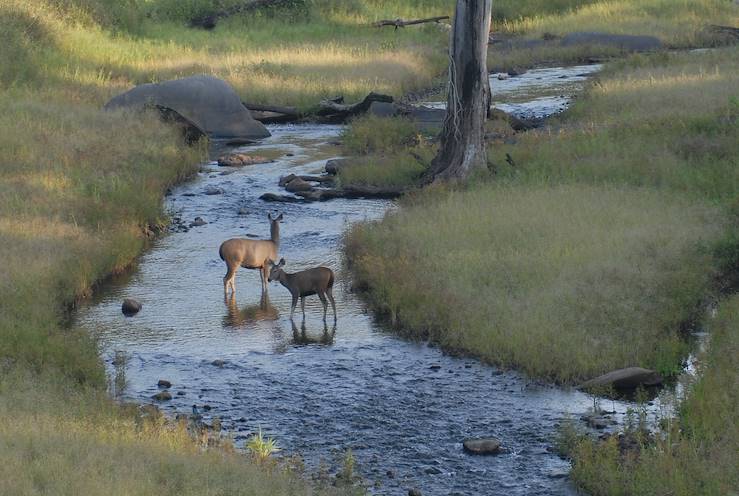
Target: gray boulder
{"type": "Point", "coordinates": [629, 43]}
{"type": "Point", "coordinates": [628, 378]}
{"type": "Point", "coordinates": [209, 103]}
{"type": "Point", "coordinates": [482, 446]}
{"type": "Point", "coordinates": [298, 184]}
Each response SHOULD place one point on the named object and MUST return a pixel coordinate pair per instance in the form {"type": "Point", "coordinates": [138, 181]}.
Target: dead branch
{"type": "Point", "coordinates": [400, 23]}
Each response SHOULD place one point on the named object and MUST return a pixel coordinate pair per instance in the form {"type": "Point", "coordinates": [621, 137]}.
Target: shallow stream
{"type": "Point", "coordinates": [402, 407]}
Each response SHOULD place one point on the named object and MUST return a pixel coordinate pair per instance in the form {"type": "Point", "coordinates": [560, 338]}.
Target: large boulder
{"type": "Point", "coordinates": [207, 102]}
{"type": "Point", "coordinates": [627, 42]}
{"type": "Point", "coordinates": [624, 379]}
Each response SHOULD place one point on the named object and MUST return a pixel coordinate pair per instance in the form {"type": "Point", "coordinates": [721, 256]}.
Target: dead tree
{"type": "Point", "coordinates": [468, 95]}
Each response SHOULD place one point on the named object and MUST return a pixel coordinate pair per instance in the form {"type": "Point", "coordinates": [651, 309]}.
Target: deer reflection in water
{"type": "Point", "coordinates": [250, 314]}
{"type": "Point", "coordinates": [301, 338]}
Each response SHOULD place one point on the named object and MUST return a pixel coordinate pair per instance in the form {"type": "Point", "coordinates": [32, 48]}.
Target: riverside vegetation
{"type": "Point", "coordinates": [79, 188]}
{"type": "Point", "coordinates": [594, 246]}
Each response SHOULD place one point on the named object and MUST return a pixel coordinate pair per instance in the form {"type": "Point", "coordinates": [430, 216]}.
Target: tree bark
{"type": "Point", "coordinates": [468, 95]}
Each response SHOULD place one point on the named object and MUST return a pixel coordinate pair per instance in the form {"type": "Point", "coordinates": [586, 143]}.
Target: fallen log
{"type": "Point", "coordinates": [400, 23]}
{"type": "Point", "coordinates": [335, 111]}
{"type": "Point", "coordinates": [273, 114]}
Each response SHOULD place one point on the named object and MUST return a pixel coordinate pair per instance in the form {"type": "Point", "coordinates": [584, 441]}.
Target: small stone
{"type": "Point", "coordinates": [162, 396]}
{"type": "Point", "coordinates": [130, 307]}
{"type": "Point", "coordinates": [207, 408]}
{"type": "Point", "coordinates": [212, 190]}
{"type": "Point", "coordinates": [199, 221]}
{"type": "Point", "coordinates": [163, 383]}
{"type": "Point", "coordinates": [181, 393]}
{"type": "Point", "coordinates": [433, 471]}
{"type": "Point", "coordinates": [390, 474]}
{"type": "Point", "coordinates": [435, 367]}
{"type": "Point", "coordinates": [243, 211]}
{"type": "Point", "coordinates": [482, 446]}
{"type": "Point", "coordinates": [414, 492]}
{"type": "Point", "coordinates": [218, 363]}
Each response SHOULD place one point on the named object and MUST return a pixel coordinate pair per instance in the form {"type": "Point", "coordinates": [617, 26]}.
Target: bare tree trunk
{"type": "Point", "coordinates": [468, 95]}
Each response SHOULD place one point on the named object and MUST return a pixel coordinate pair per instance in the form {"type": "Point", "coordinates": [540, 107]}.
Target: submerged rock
{"type": "Point", "coordinates": [482, 446]}
{"type": "Point", "coordinates": [628, 378]}
{"type": "Point", "coordinates": [163, 383]}
{"type": "Point", "coordinates": [241, 160]}
{"type": "Point", "coordinates": [211, 104]}
{"type": "Point", "coordinates": [162, 396]}
{"type": "Point", "coordinates": [212, 190]}
{"type": "Point", "coordinates": [199, 221]}
{"type": "Point", "coordinates": [130, 307]}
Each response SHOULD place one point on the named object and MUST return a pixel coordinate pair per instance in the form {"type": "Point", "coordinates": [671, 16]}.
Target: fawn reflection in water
{"type": "Point", "coordinates": [302, 338]}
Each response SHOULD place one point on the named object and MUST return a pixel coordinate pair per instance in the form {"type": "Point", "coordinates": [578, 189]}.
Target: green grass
{"type": "Point", "coordinates": [693, 455]}
{"type": "Point", "coordinates": [591, 252]}
{"type": "Point", "coordinates": [561, 282]}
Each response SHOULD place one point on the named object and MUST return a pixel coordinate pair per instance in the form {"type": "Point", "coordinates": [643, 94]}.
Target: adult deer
{"type": "Point", "coordinates": [250, 254]}
{"type": "Point", "coordinates": [317, 281]}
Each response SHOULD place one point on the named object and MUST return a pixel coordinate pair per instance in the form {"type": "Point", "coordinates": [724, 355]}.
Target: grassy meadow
{"type": "Point", "coordinates": [80, 192]}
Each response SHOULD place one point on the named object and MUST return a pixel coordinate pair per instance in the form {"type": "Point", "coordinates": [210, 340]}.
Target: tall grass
{"type": "Point", "coordinates": [694, 455]}
{"type": "Point", "coordinates": [562, 282]}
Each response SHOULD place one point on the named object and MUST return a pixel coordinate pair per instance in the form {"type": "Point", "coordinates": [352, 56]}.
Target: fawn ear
{"type": "Point", "coordinates": [279, 218]}
{"type": "Point", "coordinates": [269, 216]}
{"type": "Point", "coordinates": [282, 262]}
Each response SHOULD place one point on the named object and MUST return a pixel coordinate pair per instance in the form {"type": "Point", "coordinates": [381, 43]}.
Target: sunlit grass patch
{"type": "Point", "coordinates": [564, 282]}
{"type": "Point", "coordinates": [666, 121]}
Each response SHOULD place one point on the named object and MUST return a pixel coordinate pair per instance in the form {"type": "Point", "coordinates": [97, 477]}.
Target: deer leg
{"type": "Point", "coordinates": [302, 305]}
{"type": "Point", "coordinates": [322, 297]}
{"type": "Point", "coordinates": [330, 294]}
{"type": "Point", "coordinates": [228, 279]}
{"type": "Point", "coordinates": [265, 277]}
{"type": "Point", "coordinates": [292, 308]}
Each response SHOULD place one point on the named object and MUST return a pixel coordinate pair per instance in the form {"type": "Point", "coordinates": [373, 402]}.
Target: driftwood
{"type": "Point", "coordinates": [335, 111]}
{"type": "Point", "coordinates": [400, 23]}
{"type": "Point", "coordinates": [273, 114]}
{"type": "Point", "coordinates": [208, 21]}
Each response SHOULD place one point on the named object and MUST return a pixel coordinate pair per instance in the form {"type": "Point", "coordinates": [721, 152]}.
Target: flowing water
{"type": "Point", "coordinates": [402, 407]}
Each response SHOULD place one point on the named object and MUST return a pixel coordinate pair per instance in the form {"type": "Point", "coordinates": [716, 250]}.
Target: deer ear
{"type": "Point", "coordinates": [282, 262]}
{"type": "Point", "coordinates": [270, 261]}
{"type": "Point", "coordinates": [279, 218]}
{"type": "Point", "coordinates": [269, 216]}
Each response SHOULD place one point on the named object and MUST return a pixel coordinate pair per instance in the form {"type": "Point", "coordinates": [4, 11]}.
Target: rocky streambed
{"type": "Point", "coordinates": [403, 408]}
